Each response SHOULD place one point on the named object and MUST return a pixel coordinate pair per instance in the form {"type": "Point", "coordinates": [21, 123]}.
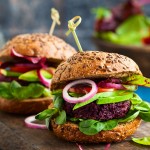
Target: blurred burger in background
{"type": "Point", "coordinates": [124, 24]}
{"type": "Point", "coordinates": [28, 63]}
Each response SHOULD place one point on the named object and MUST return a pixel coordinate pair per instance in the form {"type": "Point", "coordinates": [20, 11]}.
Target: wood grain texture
{"type": "Point", "coordinates": [14, 135]}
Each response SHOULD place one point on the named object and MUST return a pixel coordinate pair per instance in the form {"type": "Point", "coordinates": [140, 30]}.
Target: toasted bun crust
{"type": "Point", "coordinates": [24, 107]}
{"type": "Point", "coordinates": [70, 132]}
{"type": "Point", "coordinates": [39, 45]}
{"type": "Point", "coordinates": [94, 64]}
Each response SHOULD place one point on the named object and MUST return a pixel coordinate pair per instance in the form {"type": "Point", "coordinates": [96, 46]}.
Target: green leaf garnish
{"type": "Point", "coordinates": [58, 101]}
{"type": "Point", "coordinates": [48, 113]}
{"type": "Point", "coordinates": [57, 92]}
{"type": "Point", "coordinates": [110, 124]}
{"type": "Point", "coordinates": [143, 106]}
{"type": "Point", "coordinates": [61, 118]}
{"type": "Point", "coordinates": [135, 99]}
{"type": "Point", "coordinates": [129, 117]}
{"type": "Point", "coordinates": [90, 127]}
{"type": "Point", "coordinates": [145, 116]}
{"type": "Point", "coordinates": [143, 141]}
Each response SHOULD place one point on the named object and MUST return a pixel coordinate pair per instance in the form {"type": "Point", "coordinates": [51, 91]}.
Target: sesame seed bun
{"type": "Point", "coordinates": [38, 45]}
{"type": "Point", "coordinates": [94, 64]}
{"type": "Point", "coordinates": [70, 132]}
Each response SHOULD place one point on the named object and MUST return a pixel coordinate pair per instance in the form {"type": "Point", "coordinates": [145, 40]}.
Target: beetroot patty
{"type": "Point", "coordinates": [98, 112]}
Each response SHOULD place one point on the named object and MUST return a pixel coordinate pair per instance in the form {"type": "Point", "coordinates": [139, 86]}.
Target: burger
{"type": "Point", "coordinates": [94, 98]}
{"type": "Point", "coordinates": [28, 62]}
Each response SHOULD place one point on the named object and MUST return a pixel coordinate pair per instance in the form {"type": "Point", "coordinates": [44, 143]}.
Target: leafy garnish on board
{"type": "Point", "coordinates": [143, 141]}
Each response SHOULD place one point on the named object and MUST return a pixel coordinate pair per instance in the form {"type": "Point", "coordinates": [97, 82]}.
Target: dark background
{"type": "Point", "coordinates": [30, 16]}
{"type": "Point", "coordinates": [22, 16]}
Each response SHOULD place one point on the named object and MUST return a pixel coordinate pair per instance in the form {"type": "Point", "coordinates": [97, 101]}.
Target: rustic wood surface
{"type": "Point", "coordinates": [14, 135]}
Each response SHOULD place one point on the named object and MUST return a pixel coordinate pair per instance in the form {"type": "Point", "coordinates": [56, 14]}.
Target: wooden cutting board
{"type": "Point", "coordinates": [14, 135]}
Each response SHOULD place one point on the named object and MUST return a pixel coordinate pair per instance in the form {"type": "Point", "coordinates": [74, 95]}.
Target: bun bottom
{"type": "Point", "coordinates": [24, 107]}
{"type": "Point", "coordinates": [70, 132]}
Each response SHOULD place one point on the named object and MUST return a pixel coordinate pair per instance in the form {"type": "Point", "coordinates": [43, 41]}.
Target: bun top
{"type": "Point", "coordinates": [39, 45]}
{"type": "Point", "coordinates": [94, 64]}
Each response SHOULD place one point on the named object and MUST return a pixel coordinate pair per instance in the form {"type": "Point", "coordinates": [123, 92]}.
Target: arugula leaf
{"type": "Point", "coordinates": [90, 127]}
{"type": "Point", "coordinates": [145, 116]}
{"type": "Point", "coordinates": [57, 92]}
{"type": "Point", "coordinates": [48, 113]}
{"type": "Point", "coordinates": [143, 141]}
{"type": "Point", "coordinates": [137, 80]}
{"type": "Point", "coordinates": [58, 101]}
{"type": "Point", "coordinates": [110, 124]}
{"type": "Point", "coordinates": [61, 118]}
{"type": "Point", "coordinates": [135, 99]}
{"type": "Point", "coordinates": [47, 122]}
{"type": "Point", "coordinates": [87, 123]}
{"type": "Point", "coordinates": [143, 106]}
{"type": "Point", "coordinates": [129, 117]}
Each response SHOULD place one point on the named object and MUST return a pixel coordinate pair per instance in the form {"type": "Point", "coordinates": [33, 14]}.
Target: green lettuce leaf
{"type": "Point", "coordinates": [145, 116]}
{"type": "Point", "coordinates": [131, 115]}
{"type": "Point", "coordinates": [143, 141]}
{"type": "Point", "coordinates": [14, 91]}
{"type": "Point", "coordinates": [5, 90]}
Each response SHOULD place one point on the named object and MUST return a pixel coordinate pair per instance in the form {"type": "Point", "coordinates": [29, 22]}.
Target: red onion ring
{"type": "Point", "coordinates": [45, 81]}
{"type": "Point", "coordinates": [79, 146]}
{"type": "Point", "coordinates": [34, 60]}
{"type": "Point", "coordinates": [105, 84]}
{"type": "Point", "coordinates": [84, 98]}
{"type": "Point", "coordinates": [107, 146]}
{"type": "Point", "coordinates": [28, 121]}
